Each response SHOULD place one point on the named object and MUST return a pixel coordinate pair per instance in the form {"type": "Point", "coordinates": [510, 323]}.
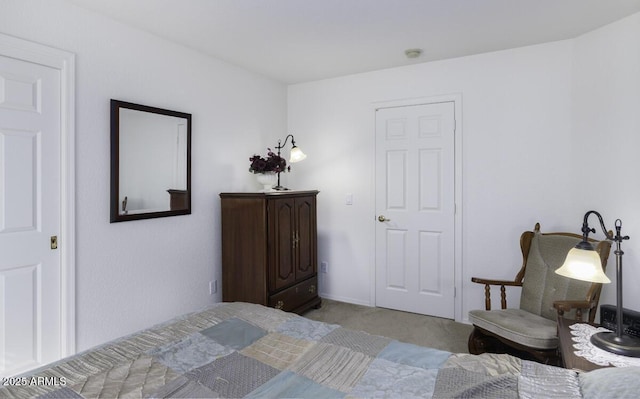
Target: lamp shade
{"type": "Point", "coordinates": [583, 264]}
{"type": "Point", "coordinates": [296, 155]}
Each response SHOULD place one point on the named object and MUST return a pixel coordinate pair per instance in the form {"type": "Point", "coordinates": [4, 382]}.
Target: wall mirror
{"type": "Point", "coordinates": [150, 162]}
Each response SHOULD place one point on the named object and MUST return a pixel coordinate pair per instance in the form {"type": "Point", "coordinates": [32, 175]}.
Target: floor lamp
{"type": "Point", "coordinates": [583, 263]}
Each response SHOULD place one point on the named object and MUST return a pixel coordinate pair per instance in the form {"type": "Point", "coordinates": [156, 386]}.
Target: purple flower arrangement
{"type": "Point", "coordinates": [272, 163]}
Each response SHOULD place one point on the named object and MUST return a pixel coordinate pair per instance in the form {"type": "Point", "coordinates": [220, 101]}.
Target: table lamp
{"type": "Point", "coordinates": [296, 155]}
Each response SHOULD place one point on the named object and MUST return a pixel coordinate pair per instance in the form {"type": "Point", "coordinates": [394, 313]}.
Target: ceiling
{"type": "Point", "coordinates": [296, 41]}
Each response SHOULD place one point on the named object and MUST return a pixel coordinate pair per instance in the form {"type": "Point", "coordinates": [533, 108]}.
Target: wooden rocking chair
{"type": "Point", "coordinates": [530, 332]}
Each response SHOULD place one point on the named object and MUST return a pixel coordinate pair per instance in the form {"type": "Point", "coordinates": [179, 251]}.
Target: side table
{"type": "Point", "coordinates": [565, 347]}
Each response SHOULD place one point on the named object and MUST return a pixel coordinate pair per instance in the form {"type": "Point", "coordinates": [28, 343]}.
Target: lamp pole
{"type": "Point", "coordinates": [618, 239]}
{"type": "Point", "coordinates": [280, 147]}
{"type": "Point", "coordinates": [618, 343]}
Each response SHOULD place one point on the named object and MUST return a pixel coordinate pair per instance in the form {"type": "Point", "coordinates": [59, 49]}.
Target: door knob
{"type": "Point", "coordinates": [381, 218]}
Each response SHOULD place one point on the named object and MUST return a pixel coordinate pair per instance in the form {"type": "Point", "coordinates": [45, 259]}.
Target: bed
{"type": "Point", "coordinates": [236, 350]}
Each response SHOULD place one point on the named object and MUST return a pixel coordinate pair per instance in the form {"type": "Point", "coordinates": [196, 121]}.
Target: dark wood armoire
{"type": "Point", "coordinates": [269, 249]}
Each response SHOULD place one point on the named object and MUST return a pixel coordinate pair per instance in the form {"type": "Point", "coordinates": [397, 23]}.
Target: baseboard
{"type": "Point", "coordinates": [346, 300]}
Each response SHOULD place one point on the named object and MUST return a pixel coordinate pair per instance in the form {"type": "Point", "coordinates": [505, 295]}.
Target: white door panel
{"type": "Point", "coordinates": [30, 271]}
{"type": "Point", "coordinates": [415, 192]}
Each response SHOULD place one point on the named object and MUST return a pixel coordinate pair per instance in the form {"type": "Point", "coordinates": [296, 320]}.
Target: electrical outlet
{"type": "Point", "coordinates": [324, 267]}
{"type": "Point", "coordinates": [213, 287]}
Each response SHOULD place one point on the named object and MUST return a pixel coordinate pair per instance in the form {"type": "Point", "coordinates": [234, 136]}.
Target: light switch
{"type": "Point", "coordinates": [349, 199]}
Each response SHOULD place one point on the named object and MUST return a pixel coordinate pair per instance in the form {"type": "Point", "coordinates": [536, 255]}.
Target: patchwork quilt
{"type": "Point", "coordinates": [241, 350]}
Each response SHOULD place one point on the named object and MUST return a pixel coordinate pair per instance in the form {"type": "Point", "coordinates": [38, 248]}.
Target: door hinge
{"type": "Point", "coordinates": [54, 242]}
{"type": "Point", "coordinates": [455, 292]}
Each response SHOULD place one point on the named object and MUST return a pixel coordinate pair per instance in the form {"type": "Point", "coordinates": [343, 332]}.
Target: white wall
{"type": "Point", "coordinates": [134, 274]}
{"type": "Point", "coordinates": [516, 130]}
{"type": "Point", "coordinates": [606, 140]}
{"type": "Point", "coordinates": [525, 111]}
{"type": "Point", "coordinates": [549, 132]}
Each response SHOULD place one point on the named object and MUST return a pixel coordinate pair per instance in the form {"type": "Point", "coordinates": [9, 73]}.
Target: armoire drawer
{"type": "Point", "coordinates": [295, 296]}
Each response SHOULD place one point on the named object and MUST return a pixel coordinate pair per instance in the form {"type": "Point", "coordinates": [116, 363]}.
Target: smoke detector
{"type": "Point", "coordinates": [413, 52]}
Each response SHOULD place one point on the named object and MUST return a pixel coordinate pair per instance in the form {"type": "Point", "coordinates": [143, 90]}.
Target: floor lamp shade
{"type": "Point", "coordinates": [583, 264]}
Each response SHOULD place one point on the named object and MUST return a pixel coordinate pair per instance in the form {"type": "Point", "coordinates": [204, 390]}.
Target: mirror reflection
{"type": "Point", "coordinates": [150, 162]}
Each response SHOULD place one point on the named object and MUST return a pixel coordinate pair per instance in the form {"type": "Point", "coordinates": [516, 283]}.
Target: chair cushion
{"type": "Point", "coordinates": [542, 286]}
{"type": "Point", "coordinates": [519, 326]}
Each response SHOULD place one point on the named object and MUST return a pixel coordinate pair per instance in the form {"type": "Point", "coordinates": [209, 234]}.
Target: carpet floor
{"type": "Point", "coordinates": [433, 332]}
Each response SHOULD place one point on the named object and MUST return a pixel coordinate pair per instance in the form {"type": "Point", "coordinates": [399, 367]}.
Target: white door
{"type": "Point", "coordinates": [415, 201]}
{"type": "Point", "coordinates": [30, 270]}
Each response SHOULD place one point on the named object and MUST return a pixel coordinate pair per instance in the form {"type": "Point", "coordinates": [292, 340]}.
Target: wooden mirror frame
{"type": "Point", "coordinates": [184, 199]}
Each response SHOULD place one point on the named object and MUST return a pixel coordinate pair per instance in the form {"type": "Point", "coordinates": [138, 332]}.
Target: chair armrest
{"type": "Point", "coordinates": [487, 290]}
{"type": "Point", "coordinates": [566, 306]}
{"type": "Point", "coordinates": [496, 282]}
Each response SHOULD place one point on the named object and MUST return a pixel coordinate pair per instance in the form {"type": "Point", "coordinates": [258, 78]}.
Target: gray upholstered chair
{"type": "Point", "coordinates": [531, 331]}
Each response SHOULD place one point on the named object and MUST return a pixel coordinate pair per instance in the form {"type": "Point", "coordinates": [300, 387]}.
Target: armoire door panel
{"type": "Point", "coordinates": [305, 238]}
{"type": "Point", "coordinates": [282, 223]}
